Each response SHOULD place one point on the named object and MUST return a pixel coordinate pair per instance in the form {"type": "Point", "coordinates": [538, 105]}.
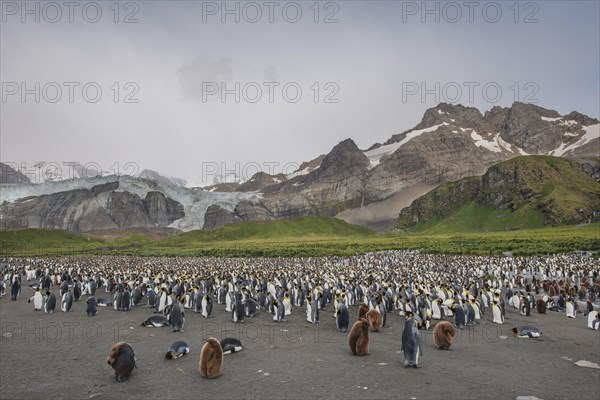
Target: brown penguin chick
{"type": "Point", "coordinates": [443, 334]}
{"type": "Point", "coordinates": [363, 309]}
{"type": "Point", "coordinates": [211, 359]}
{"type": "Point", "coordinates": [551, 291]}
{"type": "Point", "coordinates": [358, 339]}
{"type": "Point", "coordinates": [375, 320]}
{"type": "Point", "coordinates": [122, 359]}
{"type": "Point", "coordinates": [540, 306]}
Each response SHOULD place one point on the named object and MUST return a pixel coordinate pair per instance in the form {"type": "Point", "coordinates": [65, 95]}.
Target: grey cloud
{"type": "Point", "coordinates": [202, 69]}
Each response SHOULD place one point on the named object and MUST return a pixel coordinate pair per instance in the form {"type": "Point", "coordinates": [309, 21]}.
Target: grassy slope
{"type": "Point", "coordinates": [546, 191]}
{"type": "Point", "coordinates": [286, 238]}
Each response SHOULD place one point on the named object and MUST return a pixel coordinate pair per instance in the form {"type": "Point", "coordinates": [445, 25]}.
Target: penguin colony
{"type": "Point", "coordinates": [421, 288]}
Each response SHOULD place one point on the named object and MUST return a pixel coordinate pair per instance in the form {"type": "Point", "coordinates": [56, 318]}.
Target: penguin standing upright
{"type": "Point", "coordinates": [122, 359]}
{"type": "Point", "coordinates": [237, 309]}
{"type": "Point", "coordinates": [229, 301]}
{"type": "Point", "coordinates": [92, 307]}
{"type": "Point", "coordinates": [411, 343]}
{"type": "Point", "coordinates": [342, 318]}
{"type": "Point", "coordinates": [15, 288]}
{"type": "Point", "coordinates": [161, 302]}
{"type": "Point", "coordinates": [251, 306]}
{"type": "Point", "coordinates": [436, 309]}
{"type": "Point", "coordinates": [287, 304]}
{"type": "Point", "coordinates": [279, 311]}
{"type": "Point", "coordinates": [211, 359]}
{"type": "Point", "coordinates": [206, 306]}
{"type": "Point", "coordinates": [126, 300]}
{"type": "Point", "coordinates": [151, 295]}
{"type": "Point", "coordinates": [312, 310]}
{"type": "Point", "coordinates": [469, 315]}
{"type": "Point", "coordinates": [50, 303]}
{"type": "Point", "coordinates": [136, 296]}
{"type": "Point", "coordinates": [570, 308]}
{"type": "Point", "coordinates": [118, 300]}
{"type": "Point", "coordinates": [443, 334]}
{"type": "Point", "coordinates": [594, 320]}
{"type": "Point", "coordinates": [38, 299]}
{"type": "Point", "coordinates": [67, 301]}
{"type": "Point", "coordinates": [76, 290]}
{"type": "Point", "coordinates": [358, 338]}
{"type": "Point", "coordinates": [177, 316]}
{"type": "Point", "coordinates": [459, 316]}
{"type": "Point", "coordinates": [198, 298]}
{"type": "Point", "coordinates": [525, 307]}
{"type": "Point", "coordinates": [497, 313]}
{"type": "Point", "coordinates": [375, 319]}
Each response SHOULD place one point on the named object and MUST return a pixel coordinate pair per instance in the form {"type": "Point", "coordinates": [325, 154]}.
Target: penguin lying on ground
{"type": "Point", "coordinates": [178, 349]}
{"type": "Point", "coordinates": [527, 332]}
{"type": "Point", "coordinates": [231, 345]}
{"type": "Point", "coordinates": [155, 321]}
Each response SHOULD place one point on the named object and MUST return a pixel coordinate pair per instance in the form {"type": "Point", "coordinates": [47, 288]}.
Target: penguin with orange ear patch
{"type": "Point", "coordinates": [122, 359]}
{"type": "Point", "coordinates": [211, 359]}
{"type": "Point", "coordinates": [375, 319]}
{"type": "Point", "coordinates": [358, 339]}
{"type": "Point", "coordinates": [411, 342]}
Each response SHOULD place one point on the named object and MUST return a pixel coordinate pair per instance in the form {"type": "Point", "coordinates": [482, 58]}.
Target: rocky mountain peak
{"type": "Point", "coordinates": [345, 154]}
{"type": "Point", "coordinates": [9, 175]}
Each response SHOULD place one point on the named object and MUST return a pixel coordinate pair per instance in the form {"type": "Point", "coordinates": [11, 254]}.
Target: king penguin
{"type": "Point", "coordinates": [206, 306]}
{"type": "Point", "coordinates": [38, 299]}
{"type": "Point", "coordinates": [594, 320]}
{"type": "Point", "coordinates": [177, 316]}
{"type": "Point", "coordinates": [570, 309]}
{"type": "Point", "coordinates": [92, 307]}
{"type": "Point", "coordinates": [67, 301]}
{"type": "Point", "coordinates": [312, 310]}
{"type": "Point", "coordinates": [497, 313]}
{"type": "Point", "coordinates": [178, 349]}
{"type": "Point", "coordinates": [50, 304]}
{"type": "Point", "coordinates": [342, 318]}
{"type": "Point", "coordinates": [411, 342]}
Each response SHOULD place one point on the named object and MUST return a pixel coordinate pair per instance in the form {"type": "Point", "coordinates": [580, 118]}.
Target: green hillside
{"type": "Point", "coordinates": [526, 192]}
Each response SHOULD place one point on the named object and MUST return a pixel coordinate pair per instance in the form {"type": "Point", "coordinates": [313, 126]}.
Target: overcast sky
{"type": "Point", "coordinates": [178, 53]}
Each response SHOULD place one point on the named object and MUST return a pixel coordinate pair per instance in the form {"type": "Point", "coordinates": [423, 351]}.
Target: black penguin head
{"type": "Point", "coordinates": [169, 355]}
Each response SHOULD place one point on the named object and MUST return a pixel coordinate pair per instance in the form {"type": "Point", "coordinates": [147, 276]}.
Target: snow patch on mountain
{"type": "Point", "coordinates": [551, 119]}
{"type": "Point", "coordinates": [491, 145]}
{"type": "Point", "coordinates": [591, 132]}
{"type": "Point", "coordinates": [377, 154]}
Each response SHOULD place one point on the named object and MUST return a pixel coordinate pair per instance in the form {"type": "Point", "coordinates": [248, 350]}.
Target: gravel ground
{"type": "Point", "coordinates": [63, 356]}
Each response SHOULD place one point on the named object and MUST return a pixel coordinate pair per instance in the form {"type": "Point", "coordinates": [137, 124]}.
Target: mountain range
{"type": "Point", "coordinates": [370, 187]}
